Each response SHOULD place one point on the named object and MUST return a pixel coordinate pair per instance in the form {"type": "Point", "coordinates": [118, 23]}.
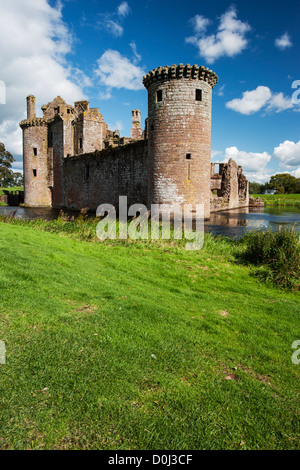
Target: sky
{"type": "Point", "coordinates": [100, 51]}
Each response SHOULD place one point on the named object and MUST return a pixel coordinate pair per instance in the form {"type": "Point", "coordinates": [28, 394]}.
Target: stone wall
{"type": "Point", "coordinates": [230, 185]}
{"type": "Point", "coordinates": [101, 177]}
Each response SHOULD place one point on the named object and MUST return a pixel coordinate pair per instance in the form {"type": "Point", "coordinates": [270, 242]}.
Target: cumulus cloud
{"type": "Point", "coordinates": [283, 42]}
{"type": "Point", "coordinates": [250, 161]}
{"type": "Point", "coordinates": [255, 164]}
{"type": "Point", "coordinates": [117, 71]}
{"type": "Point", "coordinates": [288, 154]}
{"type": "Point", "coordinates": [34, 42]}
{"type": "Point", "coordinates": [229, 40]}
{"type": "Point", "coordinates": [255, 100]}
{"type": "Point", "coordinates": [252, 101]}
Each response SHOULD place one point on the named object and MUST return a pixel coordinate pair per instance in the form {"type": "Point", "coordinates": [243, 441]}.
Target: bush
{"type": "Point", "coordinates": [279, 250]}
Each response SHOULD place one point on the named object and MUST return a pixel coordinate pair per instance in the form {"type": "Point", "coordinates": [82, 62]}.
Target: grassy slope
{"type": "Point", "coordinates": [279, 199]}
{"type": "Point", "coordinates": [128, 347]}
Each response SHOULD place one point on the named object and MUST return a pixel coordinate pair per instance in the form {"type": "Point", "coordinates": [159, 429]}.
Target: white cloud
{"type": "Point", "coordinates": [34, 42]}
{"type": "Point", "coordinates": [111, 21]}
{"type": "Point", "coordinates": [115, 28]}
{"type": "Point", "coordinates": [199, 23]}
{"type": "Point", "coordinates": [288, 154]}
{"type": "Point", "coordinates": [123, 9]}
{"type": "Point", "coordinates": [283, 42]}
{"type": "Point", "coordinates": [136, 57]}
{"type": "Point", "coordinates": [279, 102]}
{"type": "Point", "coordinates": [254, 100]}
{"type": "Point", "coordinates": [250, 161]}
{"type": "Point", "coordinates": [116, 71]}
{"type": "Point", "coordinates": [220, 91]}
{"type": "Point", "coordinates": [229, 41]}
{"type": "Point", "coordinates": [214, 153]}
{"type": "Point", "coordinates": [117, 126]}
{"type": "Point", "coordinates": [296, 173]}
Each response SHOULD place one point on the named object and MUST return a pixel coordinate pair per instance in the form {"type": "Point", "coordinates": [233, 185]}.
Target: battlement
{"type": "Point", "coordinates": [193, 72]}
{"type": "Point", "coordinates": [35, 122]}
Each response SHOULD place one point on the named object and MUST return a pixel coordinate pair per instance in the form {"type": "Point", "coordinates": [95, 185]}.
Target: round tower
{"type": "Point", "coordinates": [35, 161]}
{"type": "Point", "coordinates": [179, 134]}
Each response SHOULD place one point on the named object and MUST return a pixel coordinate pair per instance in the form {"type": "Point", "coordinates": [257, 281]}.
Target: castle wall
{"type": "Point", "coordinates": [101, 177]}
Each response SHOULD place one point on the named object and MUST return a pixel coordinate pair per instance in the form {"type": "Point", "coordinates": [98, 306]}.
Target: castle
{"type": "Point", "coordinates": [72, 160]}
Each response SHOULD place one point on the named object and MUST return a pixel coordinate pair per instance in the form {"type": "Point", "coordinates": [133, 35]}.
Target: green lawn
{"type": "Point", "coordinates": [279, 199]}
{"type": "Point", "coordinates": [12, 188]}
{"type": "Point", "coordinates": [116, 346]}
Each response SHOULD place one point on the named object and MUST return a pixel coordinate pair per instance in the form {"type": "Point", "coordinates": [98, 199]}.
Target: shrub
{"type": "Point", "coordinates": [279, 250]}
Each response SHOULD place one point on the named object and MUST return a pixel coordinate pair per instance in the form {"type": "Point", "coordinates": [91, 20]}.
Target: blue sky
{"type": "Point", "coordinates": [100, 51]}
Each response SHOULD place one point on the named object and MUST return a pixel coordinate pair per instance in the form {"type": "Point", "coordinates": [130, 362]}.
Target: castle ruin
{"type": "Point", "coordinates": [72, 160]}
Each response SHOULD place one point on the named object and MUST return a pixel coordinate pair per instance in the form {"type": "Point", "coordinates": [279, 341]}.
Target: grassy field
{"type": "Point", "coordinates": [13, 188]}
{"type": "Point", "coordinates": [279, 199]}
{"type": "Point", "coordinates": [140, 346]}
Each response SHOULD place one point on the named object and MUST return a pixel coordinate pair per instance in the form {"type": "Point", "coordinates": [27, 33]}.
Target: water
{"type": "Point", "coordinates": [233, 223]}
{"type": "Point", "coordinates": [236, 222]}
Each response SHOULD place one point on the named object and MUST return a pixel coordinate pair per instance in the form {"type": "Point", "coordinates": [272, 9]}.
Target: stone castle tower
{"type": "Point", "coordinates": [179, 134]}
{"type": "Point", "coordinates": [35, 134]}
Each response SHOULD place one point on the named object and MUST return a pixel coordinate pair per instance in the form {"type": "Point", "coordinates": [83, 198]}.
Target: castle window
{"type": "Point", "coordinates": [35, 151]}
{"type": "Point", "coordinates": [34, 173]}
{"type": "Point", "coordinates": [87, 171]}
{"type": "Point", "coordinates": [80, 143]}
{"type": "Point", "coordinates": [198, 94]}
{"type": "Point", "coordinates": [188, 156]}
{"type": "Point", "coordinates": [159, 95]}
{"type": "Point", "coordinates": [68, 111]}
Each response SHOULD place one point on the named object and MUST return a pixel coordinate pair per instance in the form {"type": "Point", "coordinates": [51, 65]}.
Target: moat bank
{"type": "Point", "coordinates": [232, 223]}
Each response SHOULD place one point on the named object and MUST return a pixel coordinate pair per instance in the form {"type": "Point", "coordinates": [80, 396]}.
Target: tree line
{"type": "Point", "coordinates": [282, 183]}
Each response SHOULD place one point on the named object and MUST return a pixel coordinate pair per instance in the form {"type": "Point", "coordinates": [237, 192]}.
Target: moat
{"type": "Point", "coordinates": [232, 223]}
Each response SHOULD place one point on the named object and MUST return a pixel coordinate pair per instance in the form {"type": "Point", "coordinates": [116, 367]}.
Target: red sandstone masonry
{"type": "Point", "coordinates": [101, 177]}
{"type": "Point", "coordinates": [179, 135]}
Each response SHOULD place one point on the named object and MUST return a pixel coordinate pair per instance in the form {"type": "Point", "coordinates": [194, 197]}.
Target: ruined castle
{"type": "Point", "coordinates": [72, 160]}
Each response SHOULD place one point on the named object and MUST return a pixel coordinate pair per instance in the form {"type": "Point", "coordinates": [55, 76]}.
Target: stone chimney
{"type": "Point", "coordinates": [31, 107]}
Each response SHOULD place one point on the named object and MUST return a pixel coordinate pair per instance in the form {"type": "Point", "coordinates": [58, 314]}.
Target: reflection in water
{"type": "Point", "coordinates": [236, 222]}
{"type": "Point", "coordinates": [232, 223]}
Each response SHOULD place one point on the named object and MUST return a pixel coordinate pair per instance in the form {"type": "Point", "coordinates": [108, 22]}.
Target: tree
{"type": "Point", "coordinates": [18, 179]}
{"type": "Point", "coordinates": [256, 188]}
{"type": "Point", "coordinates": [283, 183]}
{"type": "Point", "coordinates": [6, 173]}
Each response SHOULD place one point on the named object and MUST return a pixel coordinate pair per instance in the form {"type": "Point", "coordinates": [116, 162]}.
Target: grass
{"type": "Point", "coordinates": [279, 199]}
{"type": "Point", "coordinates": [141, 346]}
{"type": "Point", "coordinates": [12, 188]}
